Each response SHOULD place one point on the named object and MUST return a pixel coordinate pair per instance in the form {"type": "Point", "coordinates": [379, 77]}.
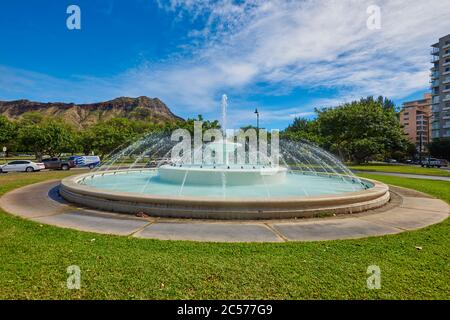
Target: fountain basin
{"type": "Point", "coordinates": [231, 176]}
{"type": "Point", "coordinates": [76, 189]}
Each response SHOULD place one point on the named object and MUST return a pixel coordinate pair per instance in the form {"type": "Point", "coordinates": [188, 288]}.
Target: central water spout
{"type": "Point", "coordinates": [224, 115]}
{"type": "Point", "coordinates": [224, 127]}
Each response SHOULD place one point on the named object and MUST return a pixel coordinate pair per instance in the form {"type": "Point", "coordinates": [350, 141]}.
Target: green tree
{"type": "Point", "coordinates": [302, 129]}
{"type": "Point", "coordinates": [105, 137]}
{"type": "Point", "coordinates": [361, 130]}
{"type": "Point", "coordinates": [8, 134]}
{"type": "Point", "coordinates": [48, 137]}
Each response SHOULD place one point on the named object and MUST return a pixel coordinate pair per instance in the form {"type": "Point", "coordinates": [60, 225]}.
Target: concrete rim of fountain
{"type": "Point", "coordinates": [219, 208]}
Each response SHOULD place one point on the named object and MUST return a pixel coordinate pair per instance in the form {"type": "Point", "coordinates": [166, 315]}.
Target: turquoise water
{"type": "Point", "coordinates": [298, 185]}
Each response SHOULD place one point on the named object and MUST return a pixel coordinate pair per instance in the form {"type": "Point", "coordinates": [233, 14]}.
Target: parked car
{"type": "Point", "coordinates": [431, 163]}
{"type": "Point", "coordinates": [444, 162]}
{"type": "Point", "coordinates": [85, 161]}
{"type": "Point", "coordinates": [22, 165]}
{"type": "Point", "coordinates": [391, 161]}
{"type": "Point", "coordinates": [58, 164]}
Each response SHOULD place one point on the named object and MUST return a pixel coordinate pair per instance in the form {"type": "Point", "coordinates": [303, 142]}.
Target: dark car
{"type": "Point", "coordinates": [58, 164]}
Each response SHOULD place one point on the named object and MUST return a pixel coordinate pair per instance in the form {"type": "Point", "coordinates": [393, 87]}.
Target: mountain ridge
{"type": "Point", "coordinates": [86, 114]}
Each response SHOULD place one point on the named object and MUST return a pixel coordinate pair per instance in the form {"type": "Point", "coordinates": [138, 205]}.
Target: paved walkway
{"type": "Point", "coordinates": [405, 175]}
{"type": "Point", "coordinates": [408, 210]}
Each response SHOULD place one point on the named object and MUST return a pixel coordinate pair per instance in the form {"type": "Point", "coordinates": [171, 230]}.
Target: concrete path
{"type": "Point", "coordinates": [408, 210]}
{"type": "Point", "coordinates": [404, 175]}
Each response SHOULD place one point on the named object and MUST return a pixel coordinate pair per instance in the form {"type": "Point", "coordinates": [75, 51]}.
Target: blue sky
{"type": "Point", "coordinates": [284, 57]}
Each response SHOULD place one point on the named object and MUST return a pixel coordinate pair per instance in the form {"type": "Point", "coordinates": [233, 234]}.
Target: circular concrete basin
{"type": "Point", "coordinates": [203, 207]}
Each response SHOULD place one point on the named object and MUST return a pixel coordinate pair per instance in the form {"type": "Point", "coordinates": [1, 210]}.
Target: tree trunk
{"type": "Point", "coordinates": [38, 156]}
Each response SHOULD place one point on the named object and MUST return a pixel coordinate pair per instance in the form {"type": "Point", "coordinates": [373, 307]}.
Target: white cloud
{"type": "Point", "coordinates": [309, 44]}
{"type": "Point", "coordinates": [286, 45]}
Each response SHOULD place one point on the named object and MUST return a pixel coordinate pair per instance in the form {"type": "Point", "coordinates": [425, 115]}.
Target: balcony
{"type": "Point", "coordinates": [446, 97]}
{"type": "Point", "coordinates": [435, 108]}
{"type": "Point", "coordinates": [434, 51]}
{"type": "Point", "coordinates": [435, 83]}
{"type": "Point", "coordinates": [434, 59]}
{"type": "Point", "coordinates": [435, 100]}
{"type": "Point", "coordinates": [435, 134]}
{"type": "Point", "coordinates": [434, 75]}
{"type": "Point", "coordinates": [446, 80]}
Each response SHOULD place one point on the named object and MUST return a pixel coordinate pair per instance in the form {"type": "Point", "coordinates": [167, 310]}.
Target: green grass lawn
{"type": "Point", "coordinates": [402, 169]}
{"type": "Point", "coordinates": [34, 258]}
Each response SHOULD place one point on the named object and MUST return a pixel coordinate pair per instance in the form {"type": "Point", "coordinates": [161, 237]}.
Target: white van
{"type": "Point", "coordinates": [85, 161]}
{"type": "Point", "coordinates": [431, 163]}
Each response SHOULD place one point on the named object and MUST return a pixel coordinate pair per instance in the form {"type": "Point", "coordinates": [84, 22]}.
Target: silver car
{"type": "Point", "coordinates": [22, 165]}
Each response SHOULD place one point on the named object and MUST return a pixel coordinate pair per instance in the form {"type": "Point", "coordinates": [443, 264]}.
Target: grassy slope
{"type": "Point", "coordinates": [402, 169]}
{"type": "Point", "coordinates": [34, 258]}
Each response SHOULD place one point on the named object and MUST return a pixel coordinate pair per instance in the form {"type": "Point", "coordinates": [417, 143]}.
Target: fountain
{"type": "Point", "coordinates": [216, 167]}
{"type": "Point", "coordinates": [296, 179]}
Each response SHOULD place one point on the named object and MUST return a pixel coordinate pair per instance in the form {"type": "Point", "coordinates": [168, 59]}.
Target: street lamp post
{"type": "Point", "coordinates": [4, 153]}
{"type": "Point", "coordinates": [257, 119]}
{"type": "Point", "coordinates": [257, 135]}
{"type": "Point", "coordinates": [420, 145]}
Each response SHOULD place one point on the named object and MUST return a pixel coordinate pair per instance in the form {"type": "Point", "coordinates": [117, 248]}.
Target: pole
{"type": "Point", "coordinates": [257, 136]}
{"type": "Point", "coordinates": [257, 122]}
{"type": "Point", "coordinates": [4, 154]}
{"type": "Point", "coordinates": [420, 145]}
